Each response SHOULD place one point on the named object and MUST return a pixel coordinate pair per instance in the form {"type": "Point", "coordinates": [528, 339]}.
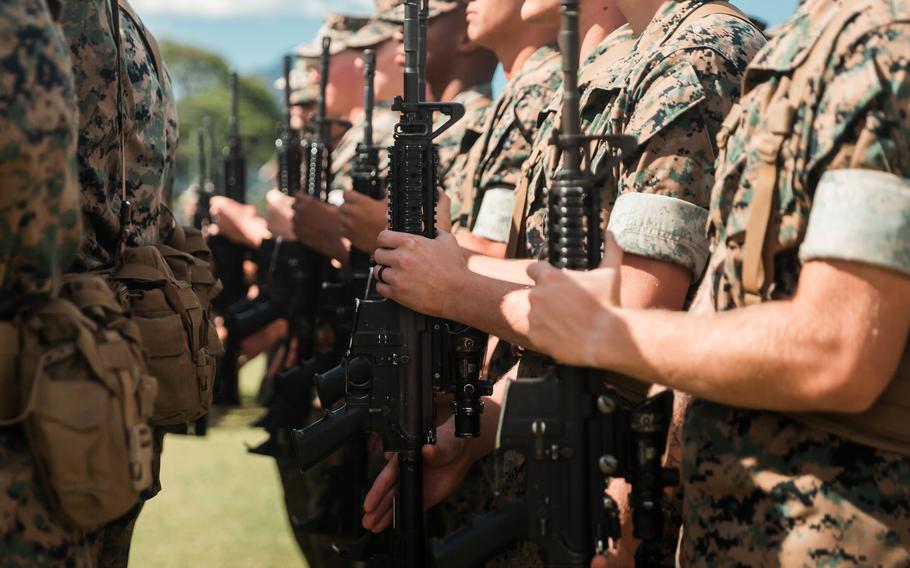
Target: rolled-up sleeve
{"type": "Point", "coordinates": [860, 216]}
{"type": "Point", "coordinates": [662, 228]}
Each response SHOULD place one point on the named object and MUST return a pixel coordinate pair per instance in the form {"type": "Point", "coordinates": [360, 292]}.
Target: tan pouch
{"type": "Point", "coordinates": [85, 399]}
{"type": "Point", "coordinates": [175, 332]}
{"type": "Point", "coordinates": [191, 261]}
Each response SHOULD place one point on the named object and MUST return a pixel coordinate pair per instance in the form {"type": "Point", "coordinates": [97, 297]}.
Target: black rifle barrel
{"type": "Point", "coordinates": [201, 215]}
{"type": "Point", "coordinates": [288, 64]}
{"type": "Point", "coordinates": [288, 145]}
{"type": "Point", "coordinates": [369, 80]}
{"type": "Point", "coordinates": [324, 67]}
{"type": "Point", "coordinates": [235, 161]}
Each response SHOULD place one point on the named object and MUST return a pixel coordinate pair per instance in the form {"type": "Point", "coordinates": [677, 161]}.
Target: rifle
{"type": "Point", "coordinates": [319, 152]}
{"type": "Point", "coordinates": [229, 256]}
{"type": "Point", "coordinates": [202, 217]}
{"type": "Point", "coordinates": [365, 172]}
{"type": "Point", "coordinates": [397, 358]}
{"type": "Point", "coordinates": [575, 432]}
{"type": "Point", "coordinates": [288, 147]}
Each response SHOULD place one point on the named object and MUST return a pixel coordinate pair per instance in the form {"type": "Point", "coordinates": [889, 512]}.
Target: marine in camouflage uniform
{"type": "Point", "coordinates": [498, 157]}
{"type": "Point", "coordinates": [670, 88]}
{"type": "Point", "coordinates": [384, 121]}
{"type": "Point", "coordinates": [763, 488]}
{"type": "Point", "coordinates": [40, 229]}
{"type": "Point", "coordinates": [150, 130]}
{"type": "Point", "coordinates": [456, 143]}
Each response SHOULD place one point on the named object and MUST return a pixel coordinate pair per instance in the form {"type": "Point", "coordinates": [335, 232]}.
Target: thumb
{"type": "Point", "coordinates": [612, 253]}
{"type": "Point", "coordinates": [539, 271]}
{"type": "Point", "coordinates": [352, 197]}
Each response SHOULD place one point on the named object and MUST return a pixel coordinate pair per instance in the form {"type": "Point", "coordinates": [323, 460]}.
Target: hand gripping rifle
{"type": "Point", "coordinates": [296, 385]}
{"type": "Point", "coordinates": [395, 360]}
{"type": "Point", "coordinates": [365, 172]}
{"type": "Point", "coordinates": [313, 297]}
{"type": "Point", "coordinates": [575, 433]}
{"type": "Point", "coordinates": [290, 274]}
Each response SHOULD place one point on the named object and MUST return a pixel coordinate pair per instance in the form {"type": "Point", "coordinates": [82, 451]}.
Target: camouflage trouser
{"type": "Point", "coordinates": [473, 497]}
{"type": "Point", "coordinates": [111, 544]}
{"type": "Point", "coordinates": [30, 534]}
{"type": "Point", "coordinates": [765, 490]}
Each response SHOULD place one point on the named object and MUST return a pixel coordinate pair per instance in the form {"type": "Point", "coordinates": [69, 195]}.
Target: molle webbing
{"type": "Point", "coordinates": [758, 249]}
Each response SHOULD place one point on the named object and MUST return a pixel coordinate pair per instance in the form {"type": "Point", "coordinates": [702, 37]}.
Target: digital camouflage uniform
{"type": "Point", "coordinates": [762, 488]}
{"type": "Point", "coordinates": [151, 133]}
{"type": "Point", "coordinates": [384, 121]}
{"type": "Point", "coordinates": [147, 121]}
{"type": "Point", "coordinates": [670, 88]}
{"type": "Point", "coordinates": [39, 236]}
{"type": "Point", "coordinates": [499, 155]}
{"type": "Point", "coordinates": [455, 144]}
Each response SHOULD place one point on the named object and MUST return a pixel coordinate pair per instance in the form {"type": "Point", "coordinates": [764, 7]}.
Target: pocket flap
{"type": "Point", "coordinates": [56, 401]}
{"type": "Point", "coordinates": [676, 93]}
{"type": "Point", "coordinates": [163, 336]}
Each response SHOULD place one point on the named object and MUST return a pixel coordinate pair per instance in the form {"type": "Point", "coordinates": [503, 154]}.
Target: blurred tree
{"type": "Point", "coordinates": [200, 80]}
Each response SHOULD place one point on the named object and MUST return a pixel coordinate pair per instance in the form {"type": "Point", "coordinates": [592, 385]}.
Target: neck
{"type": "Point", "coordinates": [513, 54]}
{"type": "Point", "coordinates": [511, 63]}
{"type": "Point", "coordinates": [597, 22]}
{"type": "Point", "coordinates": [640, 13]}
{"type": "Point", "coordinates": [448, 90]}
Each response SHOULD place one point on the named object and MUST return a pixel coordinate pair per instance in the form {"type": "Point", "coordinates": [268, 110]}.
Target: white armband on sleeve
{"type": "Point", "coordinates": [663, 228]}
{"type": "Point", "coordinates": [860, 216]}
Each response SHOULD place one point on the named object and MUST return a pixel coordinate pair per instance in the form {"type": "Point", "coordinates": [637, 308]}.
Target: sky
{"type": "Point", "coordinates": [254, 34]}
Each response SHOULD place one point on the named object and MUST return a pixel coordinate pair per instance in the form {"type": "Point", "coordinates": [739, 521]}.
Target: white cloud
{"type": "Point", "coordinates": [241, 8]}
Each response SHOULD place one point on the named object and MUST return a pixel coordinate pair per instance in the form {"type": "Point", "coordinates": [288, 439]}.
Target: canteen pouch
{"type": "Point", "coordinates": [85, 397]}
{"type": "Point", "coordinates": [191, 262]}
{"type": "Point", "coordinates": [175, 333]}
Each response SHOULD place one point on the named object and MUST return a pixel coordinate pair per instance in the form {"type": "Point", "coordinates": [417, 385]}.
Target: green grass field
{"type": "Point", "coordinates": [220, 506]}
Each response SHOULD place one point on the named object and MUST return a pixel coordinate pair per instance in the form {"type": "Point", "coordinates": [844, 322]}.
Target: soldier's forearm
{"type": "Point", "coordinates": [485, 307]}
{"type": "Point", "coordinates": [798, 355]}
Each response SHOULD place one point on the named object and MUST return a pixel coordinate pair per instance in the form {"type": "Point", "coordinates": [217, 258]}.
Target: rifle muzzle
{"type": "Point", "coordinates": [319, 440]}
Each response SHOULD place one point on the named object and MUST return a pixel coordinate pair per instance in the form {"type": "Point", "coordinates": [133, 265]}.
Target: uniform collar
{"type": "Point", "coordinates": [668, 18]}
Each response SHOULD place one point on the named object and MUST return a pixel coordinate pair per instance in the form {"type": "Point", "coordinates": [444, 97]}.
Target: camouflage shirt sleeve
{"type": "Point", "coordinates": [39, 207]}
{"type": "Point", "coordinates": [678, 110]}
{"type": "Point", "coordinates": [509, 146]}
{"type": "Point", "coordinates": [861, 206]}
{"type": "Point", "coordinates": [500, 172]}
